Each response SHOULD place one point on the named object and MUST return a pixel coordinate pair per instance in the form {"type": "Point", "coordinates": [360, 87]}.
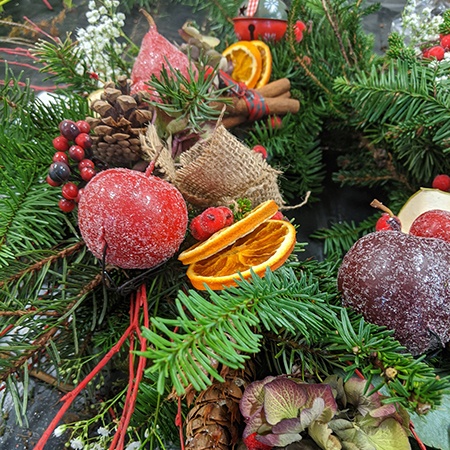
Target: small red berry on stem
{"type": "Point", "coordinates": [388, 221]}
{"type": "Point", "coordinates": [87, 173]}
{"type": "Point", "coordinates": [53, 182]}
{"type": "Point", "coordinates": [86, 163]}
{"type": "Point", "coordinates": [436, 52]}
{"type": "Point", "coordinates": [212, 219]}
{"type": "Point", "coordinates": [275, 122]}
{"type": "Point", "coordinates": [229, 217]}
{"type": "Point", "coordinates": [277, 216]}
{"type": "Point", "coordinates": [441, 182]}
{"type": "Point", "coordinates": [61, 157]}
{"type": "Point", "coordinates": [83, 126]}
{"type": "Point", "coordinates": [84, 140]}
{"type": "Point", "coordinates": [76, 152]}
{"type": "Point", "coordinates": [197, 230]}
{"type": "Point", "coordinates": [70, 191]}
{"type": "Point", "coordinates": [445, 41]}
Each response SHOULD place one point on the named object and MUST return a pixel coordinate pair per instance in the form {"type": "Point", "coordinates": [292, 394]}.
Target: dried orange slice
{"type": "Point", "coordinates": [269, 245]}
{"type": "Point", "coordinates": [266, 63]}
{"type": "Point", "coordinates": [246, 60]}
{"type": "Point", "coordinates": [226, 236]}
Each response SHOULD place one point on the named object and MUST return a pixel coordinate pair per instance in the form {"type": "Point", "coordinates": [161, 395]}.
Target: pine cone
{"type": "Point", "coordinates": [214, 422]}
{"type": "Point", "coordinates": [120, 120]}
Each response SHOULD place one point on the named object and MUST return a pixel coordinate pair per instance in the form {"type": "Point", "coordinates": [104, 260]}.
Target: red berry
{"type": "Point", "coordinates": [299, 27]}
{"type": "Point", "coordinates": [436, 52]}
{"type": "Point", "coordinates": [61, 144]}
{"type": "Point", "coordinates": [441, 182]}
{"type": "Point", "coordinates": [52, 182]}
{"type": "Point", "coordinates": [87, 173]}
{"type": "Point", "coordinates": [275, 122]}
{"type": "Point", "coordinates": [229, 217]}
{"type": "Point", "coordinates": [212, 219]}
{"type": "Point", "coordinates": [434, 223]}
{"type": "Point", "coordinates": [261, 150]}
{"type": "Point", "coordinates": [70, 191]}
{"type": "Point", "coordinates": [80, 193]}
{"type": "Point", "coordinates": [61, 157]}
{"type": "Point", "coordinates": [83, 126]}
{"type": "Point", "coordinates": [277, 216]}
{"type": "Point", "coordinates": [84, 140]}
{"type": "Point", "coordinates": [66, 205]}
{"type": "Point", "coordinates": [388, 223]}
{"type": "Point", "coordinates": [76, 153]}
{"type": "Point", "coordinates": [197, 231]}
{"type": "Point", "coordinates": [426, 53]}
{"type": "Point", "coordinates": [86, 163]}
{"type": "Point", "coordinates": [445, 41]}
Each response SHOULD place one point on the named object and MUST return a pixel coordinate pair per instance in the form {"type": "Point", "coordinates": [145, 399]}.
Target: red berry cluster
{"type": "Point", "coordinates": [72, 151]}
{"type": "Point", "coordinates": [438, 51]}
{"type": "Point", "coordinates": [209, 221]}
{"type": "Point", "coordinates": [441, 182]}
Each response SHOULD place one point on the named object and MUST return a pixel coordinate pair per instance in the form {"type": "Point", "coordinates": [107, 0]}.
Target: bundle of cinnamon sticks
{"type": "Point", "coordinates": [277, 99]}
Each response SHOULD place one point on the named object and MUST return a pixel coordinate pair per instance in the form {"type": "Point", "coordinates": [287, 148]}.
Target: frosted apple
{"type": "Point", "coordinates": [402, 282]}
{"type": "Point", "coordinates": [135, 220]}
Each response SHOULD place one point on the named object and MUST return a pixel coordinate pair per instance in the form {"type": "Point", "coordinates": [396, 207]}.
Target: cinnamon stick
{"type": "Point", "coordinates": [275, 88]}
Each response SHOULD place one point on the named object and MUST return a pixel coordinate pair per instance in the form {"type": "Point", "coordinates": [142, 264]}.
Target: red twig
{"type": "Point", "coordinates": [179, 424]}
{"type": "Point", "coordinates": [70, 397]}
{"type": "Point", "coordinates": [47, 4]}
{"type": "Point", "coordinates": [40, 30]}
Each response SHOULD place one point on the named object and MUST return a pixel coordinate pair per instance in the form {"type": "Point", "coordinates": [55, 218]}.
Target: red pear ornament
{"type": "Point", "coordinates": [400, 281]}
{"type": "Point", "coordinates": [155, 53]}
{"type": "Point", "coordinates": [133, 219]}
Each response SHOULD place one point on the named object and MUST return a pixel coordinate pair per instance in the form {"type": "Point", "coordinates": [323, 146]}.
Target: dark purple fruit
{"type": "Point", "coordinates": [59, 172]}
{"type": "Point", "coordinates": [402, 282]}
{"type": "Point", "coordinates": [69, 129]}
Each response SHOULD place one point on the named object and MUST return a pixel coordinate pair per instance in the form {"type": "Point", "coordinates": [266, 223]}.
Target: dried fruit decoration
{"type": "Point", "coordinates": [131, 219]}
{"type": "Point", "coordinates": [155, 52]}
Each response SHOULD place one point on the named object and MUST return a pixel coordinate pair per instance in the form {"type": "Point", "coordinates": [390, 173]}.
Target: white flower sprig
{"type": "Point", "coordinates": [98, 44]}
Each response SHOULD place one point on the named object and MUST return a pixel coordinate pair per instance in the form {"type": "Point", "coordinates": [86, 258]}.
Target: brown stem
{"type": "Point", "coordinates": [150, 20]}
{"type": "Point", "coordinates": [377, 204]}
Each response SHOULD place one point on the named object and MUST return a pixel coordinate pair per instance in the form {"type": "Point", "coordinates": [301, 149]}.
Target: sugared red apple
{"type": "Point", "coordinates": [402, 282]}
{"type": "Point", "coordinates": [133, 220]}
{"type": "Point", "coordinates": [423, 200]}
{"type": "Point", "coordinates": [434, 223]}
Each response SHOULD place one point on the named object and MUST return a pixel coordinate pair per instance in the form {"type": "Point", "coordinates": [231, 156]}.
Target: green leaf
{"type": "Point", "coordinates": [433, 428]}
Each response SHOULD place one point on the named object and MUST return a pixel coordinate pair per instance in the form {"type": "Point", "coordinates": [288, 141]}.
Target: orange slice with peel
{"type": "Point", "coordinates": [269, 245]}
{"type": "Point", "coordinates": [246, 60]}
{"type": "Point", "coordinates": [266, 63]}
{"type": "Point", "coordinates": [226, 236]}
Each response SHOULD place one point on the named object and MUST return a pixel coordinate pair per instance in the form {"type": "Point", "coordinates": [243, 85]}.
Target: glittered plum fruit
{"type": "Point", "coordinates": [135, 220]}
{"type": "Point", "coordinates": [402, 282]}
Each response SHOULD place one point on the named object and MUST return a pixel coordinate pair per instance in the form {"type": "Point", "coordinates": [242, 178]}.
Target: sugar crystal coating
{"type": "Point", "coordinates": [141, 219]}
{"type": "Point", "coordinates": [432, 223]}
{"type": "Point", "coordinates": [402, 282]}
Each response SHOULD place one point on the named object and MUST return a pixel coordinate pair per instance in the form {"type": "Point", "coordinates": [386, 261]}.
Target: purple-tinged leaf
{"type": "Point", "coordinates": [253, 397]}
{"type": "Point", "coordinates": [283, 399]}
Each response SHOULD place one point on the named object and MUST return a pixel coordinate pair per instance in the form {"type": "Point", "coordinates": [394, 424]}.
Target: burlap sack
{"type": "Point", "coordinates": [217, 171]}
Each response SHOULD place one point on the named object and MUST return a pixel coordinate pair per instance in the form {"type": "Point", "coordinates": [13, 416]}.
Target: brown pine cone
{"type": "Point", "coordinates": [119, 120]}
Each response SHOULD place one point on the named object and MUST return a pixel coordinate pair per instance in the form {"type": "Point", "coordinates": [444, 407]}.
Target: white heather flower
{"type": "Point", "coordinates": [59, 431]}
{"type": "Point", "coordinates": [133, 445]}
{"type": "Point", "coordinates": [102, 431]}
{"type": "Point", "coordinates": [76, 444]}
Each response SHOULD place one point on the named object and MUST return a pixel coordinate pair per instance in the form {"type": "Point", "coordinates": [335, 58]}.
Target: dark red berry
{"type": "Point", "coordinates": [261, 150]}
{"type": "Point", "coordinates": [70, 191]}
{"type": "Point", "coordinates": [83, 126]}
{"type": "Point", "coordinates": [52, 182]}
{"type": "Point", "coordinates": [441, 182]}
{"type": "Point", "coordinates": [80, 193]}
{"type": "Point", "coordinates": [445, 41]}
{"type": "Point", "coordinates": [388, 223]}
{"type": "Point", "coordinates": [66, 205]}
{"type": "Point", "coordinates": [212, 219]}
{"type": "Point", "coordinates": [229, 217]}
{"type": "Point", "coordinates": [69, 129]}
{"type": "Point", "coordinates": [87, 173]}
{"type": "Point", "coordinates": [86, 163]}
{"type": "Point", "coordinates": [76, 153]}
{"type": "Point", "coordinates": [84, 140]}
{"type": "Point", "coordinates": [61, 144]}
{"type": "Point", "coordinates": [59, 172]}
{"type": "Point", "coordinates": [197, 231]}
{"type": "Point", "coordinates": [436, 52]}
{"type": "Point", "coordinates": [426, 53]}
{"type": "Point", "coordinates": [61, 157]}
